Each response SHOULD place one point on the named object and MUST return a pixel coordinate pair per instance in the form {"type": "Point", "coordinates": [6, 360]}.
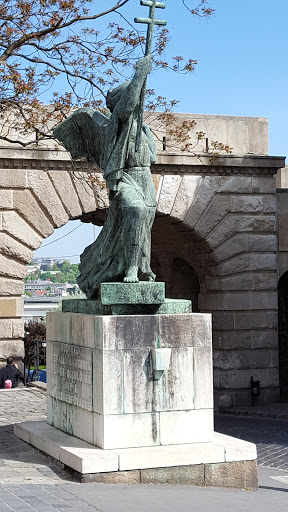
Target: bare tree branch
{"type": "Point", "coordinates": [58, 26]}
{"type": "Point", "coordinates": [37, 60]}
{"type": "Point", "coordinates": [42, 41]}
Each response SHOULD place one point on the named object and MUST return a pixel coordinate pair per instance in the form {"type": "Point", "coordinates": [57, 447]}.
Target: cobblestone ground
{"type": "Point", "coordinates": [270, 436]}
{"type": "Point", "coordinates": [19, 462]}
{"type": "Point", "coordinates": [30, 481]}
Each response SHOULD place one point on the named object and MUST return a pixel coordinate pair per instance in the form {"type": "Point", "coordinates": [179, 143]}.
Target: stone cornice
{"type": "Point", "coordinates": [167, 163]}
{"type": "Point", "coordinates": [212, 164]}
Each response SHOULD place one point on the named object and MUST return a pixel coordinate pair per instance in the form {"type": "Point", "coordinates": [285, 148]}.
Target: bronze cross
{"type": "Point", "coordinates": [151, 21]}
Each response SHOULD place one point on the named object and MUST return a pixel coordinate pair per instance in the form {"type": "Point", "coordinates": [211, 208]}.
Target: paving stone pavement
{"type": "Point", "coordinates": [270, 436]}
{"type": "Point", "coordinates": [31, 481]}
{"type": "Point", "coordinates": [19, 462]}
{"type": "Point", "coordinates": [28, 479]}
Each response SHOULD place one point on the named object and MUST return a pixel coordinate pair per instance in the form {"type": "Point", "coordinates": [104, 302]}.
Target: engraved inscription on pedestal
{"type": "Point", "coordinates": [72, 375]}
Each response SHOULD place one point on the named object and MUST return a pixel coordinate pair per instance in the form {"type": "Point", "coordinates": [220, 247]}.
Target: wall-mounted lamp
{"type": "Point", "coordinates": [255, 388]}
{"type": "Point", "coordinates": [160, 361]}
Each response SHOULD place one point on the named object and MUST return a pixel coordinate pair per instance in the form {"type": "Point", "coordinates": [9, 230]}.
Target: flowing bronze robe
{"type": "Point", "coordinates": [127, 229]}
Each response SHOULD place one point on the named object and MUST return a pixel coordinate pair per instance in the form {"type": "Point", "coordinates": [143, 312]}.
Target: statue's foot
{"type": "Point", "coordinates": [131, 275]}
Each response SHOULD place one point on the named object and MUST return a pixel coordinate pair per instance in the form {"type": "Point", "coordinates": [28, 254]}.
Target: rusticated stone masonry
{"type": "Point", "coordinates": [216, 219]}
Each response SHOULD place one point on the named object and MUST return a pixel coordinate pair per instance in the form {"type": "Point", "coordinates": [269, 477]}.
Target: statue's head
{"type": "Point", "coordinates": [114, 95]}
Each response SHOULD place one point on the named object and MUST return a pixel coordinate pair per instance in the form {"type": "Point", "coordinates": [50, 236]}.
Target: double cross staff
{"type": "Point", "coordinates": [151, 21]}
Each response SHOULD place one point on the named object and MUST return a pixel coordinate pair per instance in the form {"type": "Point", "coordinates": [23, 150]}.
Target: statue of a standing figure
{"type": "Point", "coordinates": [122, 250]}
{"type": "Point", "coordinates": [122, 145]}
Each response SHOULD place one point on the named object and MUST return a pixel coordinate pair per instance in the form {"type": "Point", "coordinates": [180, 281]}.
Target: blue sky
{"type": "Point", "coordinates": [242, 71]}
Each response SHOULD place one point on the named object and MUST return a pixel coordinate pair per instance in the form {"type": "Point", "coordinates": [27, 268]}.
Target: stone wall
{"type": "Point", "coordinates": [281, 181]}
{"type": "Point", "coordinates": [227, 233]}
{"type": "Point", "coordinates": [245, 135]}
{"type": "Point", "coordinates": [33, 202]}
{"type": "Point", "coordinates": [215, 224]}
{"type": "Point", "coordinates": [282, 267]}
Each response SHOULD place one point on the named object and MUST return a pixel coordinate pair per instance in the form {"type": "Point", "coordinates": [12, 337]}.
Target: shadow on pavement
{"type": "Point", "coordinates": [272, 488]}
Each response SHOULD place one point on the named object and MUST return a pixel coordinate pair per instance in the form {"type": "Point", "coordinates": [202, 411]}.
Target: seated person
{"type": "Point", "coordinates": [10, 372]}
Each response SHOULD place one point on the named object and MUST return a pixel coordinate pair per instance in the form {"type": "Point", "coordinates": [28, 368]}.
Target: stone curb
{"type": "Point", "coordinates": [42, 386]}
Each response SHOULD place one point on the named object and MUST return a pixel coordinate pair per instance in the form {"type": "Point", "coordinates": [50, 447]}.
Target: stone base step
{"type": "Point", "coordinates": [225, 461]}
{"type": "Point", "coordinates": [94, 307]}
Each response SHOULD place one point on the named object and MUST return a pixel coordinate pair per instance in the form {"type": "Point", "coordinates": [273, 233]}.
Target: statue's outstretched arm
{"type": "Point", "coordinates": [130, 97]}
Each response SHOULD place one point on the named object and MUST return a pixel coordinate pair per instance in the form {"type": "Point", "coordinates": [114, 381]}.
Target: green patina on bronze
{"type": "Point", "coordinates": [150, 22]}
{"type": "Point", "coordinates": [121, 253]}
{"type": "Point", "coordinates": [94, 307]}
{"type": "Point", "coordinates": [132, 293]}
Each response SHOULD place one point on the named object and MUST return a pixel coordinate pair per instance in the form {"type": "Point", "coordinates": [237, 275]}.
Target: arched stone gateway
{"type": "Point", "coordinates": [224, 227]}
{"type": "Point", "coordinates": [215, 227]}
{"type": "Point", "coordinates": [283, 334]}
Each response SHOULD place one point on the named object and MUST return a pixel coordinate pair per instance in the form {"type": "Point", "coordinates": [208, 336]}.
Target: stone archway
{"type": "Point", "coordinates": [33, 202]}
{"type": "Point", "coordinates": [185, 282]}
{"type": "Point", "coordinates": [220, 219]}
{"type": "Point", "coordinates": [225, 228]}
{"type": "Point", "coordinates": [179, 259]}
{"type": "Point", "coordinates": [283, 334]}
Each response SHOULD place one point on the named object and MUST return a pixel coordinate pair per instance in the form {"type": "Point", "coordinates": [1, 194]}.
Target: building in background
{"type": "Point", "coordinates": [36, 308]}
{"type": "Point", "coordinates": [48, 288]}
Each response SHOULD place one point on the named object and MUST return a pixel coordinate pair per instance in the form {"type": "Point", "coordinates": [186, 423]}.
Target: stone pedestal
{"type": "Point", "coordinates": [101, 382]}
{"type": "Point", "coordinates": [130, 396]}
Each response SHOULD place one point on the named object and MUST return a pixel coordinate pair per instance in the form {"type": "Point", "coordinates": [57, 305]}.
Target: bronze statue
{"type": "Point", "coordinates": [122, 145]}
